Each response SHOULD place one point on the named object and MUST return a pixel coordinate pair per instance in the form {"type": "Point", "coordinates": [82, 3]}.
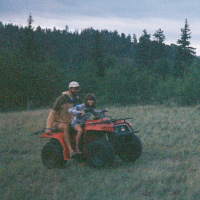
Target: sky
{"type": "Point", "coordinates": [124, 16]}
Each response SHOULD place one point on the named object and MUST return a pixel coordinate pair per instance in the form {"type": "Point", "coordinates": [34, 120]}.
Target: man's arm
{"type": "Point", "coordinates": [50, 121]}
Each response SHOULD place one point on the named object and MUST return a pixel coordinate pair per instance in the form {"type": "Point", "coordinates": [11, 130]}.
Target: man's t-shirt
{"type": "Point", "coordinates": [62, 105]}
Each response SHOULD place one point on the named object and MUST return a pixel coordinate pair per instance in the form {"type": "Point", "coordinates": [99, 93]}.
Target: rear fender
{"type": "Point", "coordinates": [59, 136]}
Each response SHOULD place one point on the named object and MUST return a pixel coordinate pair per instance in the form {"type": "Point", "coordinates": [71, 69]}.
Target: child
{"type": "Point", "coordinates": [82, 113]}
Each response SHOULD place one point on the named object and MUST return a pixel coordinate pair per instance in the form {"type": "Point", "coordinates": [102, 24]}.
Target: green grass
{"type": "Point", "coordinates": [169, 167]}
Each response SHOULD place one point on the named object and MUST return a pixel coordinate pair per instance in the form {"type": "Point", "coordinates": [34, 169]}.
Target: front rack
{"type": "Point", "coordinates": [110, 121]}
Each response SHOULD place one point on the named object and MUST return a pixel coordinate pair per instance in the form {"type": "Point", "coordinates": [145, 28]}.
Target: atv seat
{"type": "Point", "coordinates": [71, 131]}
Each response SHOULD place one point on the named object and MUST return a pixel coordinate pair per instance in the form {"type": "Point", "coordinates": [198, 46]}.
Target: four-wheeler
{"type": "Point", "coordinates": [103, 138]}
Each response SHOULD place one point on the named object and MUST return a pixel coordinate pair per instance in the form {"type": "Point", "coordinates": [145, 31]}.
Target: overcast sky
{"type": "Point", "coordinates": [125, 16]}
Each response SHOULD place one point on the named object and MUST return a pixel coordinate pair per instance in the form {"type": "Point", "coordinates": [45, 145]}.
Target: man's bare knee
{"type": "Point", "coordinates": [64, 127]}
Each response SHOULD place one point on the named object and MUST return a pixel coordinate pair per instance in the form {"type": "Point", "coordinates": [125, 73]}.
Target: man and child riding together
{"type": "Point", "coordinates": [69, 110]}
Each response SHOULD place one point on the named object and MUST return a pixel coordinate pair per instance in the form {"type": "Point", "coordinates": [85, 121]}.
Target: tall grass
{"type": "Point", "coordinates": [169, 167]}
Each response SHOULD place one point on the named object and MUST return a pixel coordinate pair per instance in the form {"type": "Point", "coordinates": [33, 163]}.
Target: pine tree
{"type": "Point", "coordinates": [158, 47]}
{"type": "Point", "coordinates": [98, 55]}
{"type": "Point", "coordinates": [134, 39]}
{"type": "Point", "coordinates": [184, 53]}
{"type": "Point", "coordinates": [29, 43]}
{"type": "Point", "coordinates": [185, 36]}
{"type": "Point", "coordinates": [159, 36]}
{"type": "Point", "coordinates": [143, 55]}
{"type": "Point", "coordinates": [30, 21]}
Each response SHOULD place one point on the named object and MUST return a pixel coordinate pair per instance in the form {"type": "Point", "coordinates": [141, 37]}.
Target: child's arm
{"type": "Point", "coordinates": [77, 110]}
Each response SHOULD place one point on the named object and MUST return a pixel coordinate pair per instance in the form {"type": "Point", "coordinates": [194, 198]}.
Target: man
{"type": "Point", "coordinates": [59, 116]}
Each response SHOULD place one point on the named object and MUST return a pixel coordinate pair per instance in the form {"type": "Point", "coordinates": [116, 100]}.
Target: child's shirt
{"type": "Point", "coordinates": [79, 118]}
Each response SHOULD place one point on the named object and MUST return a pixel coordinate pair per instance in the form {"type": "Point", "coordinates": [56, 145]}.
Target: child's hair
{"type": "Point", "coordinates": [90, 96]}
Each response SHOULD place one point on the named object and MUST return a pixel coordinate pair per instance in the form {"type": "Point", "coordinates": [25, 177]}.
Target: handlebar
{"type": "Point", "coordinates": [97, 115]}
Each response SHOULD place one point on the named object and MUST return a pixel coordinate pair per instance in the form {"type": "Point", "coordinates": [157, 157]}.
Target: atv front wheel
{"type": "Point", "coordinates": [52, 155]}
{"type": "Point", "coordinates": [100, 153]}
{"type": "Point", "coordinates": [131, 150]}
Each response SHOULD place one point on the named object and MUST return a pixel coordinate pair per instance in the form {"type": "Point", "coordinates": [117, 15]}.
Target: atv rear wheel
{"type": "Point", "coordinates": [100, 153]}
{"type": "Point", "coordinates": [52, 155]}
{"type": "Point", "coordinates": [130, 151]}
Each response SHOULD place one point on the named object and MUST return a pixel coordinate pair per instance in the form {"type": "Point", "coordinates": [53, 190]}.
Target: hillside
{"type": "Point", "coordinates": [38, 64]}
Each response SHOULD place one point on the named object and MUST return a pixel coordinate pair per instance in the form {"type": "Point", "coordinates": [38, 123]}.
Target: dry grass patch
{"type": "Point", "coordinates": [169, 167]}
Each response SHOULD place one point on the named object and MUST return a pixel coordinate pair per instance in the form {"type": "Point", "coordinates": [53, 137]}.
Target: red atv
{"type": "Point", "coordinates": [103, 137]}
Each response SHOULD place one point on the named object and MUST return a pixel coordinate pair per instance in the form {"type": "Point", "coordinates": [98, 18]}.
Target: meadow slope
{"type": "Point", "coordinates": [169, 167]}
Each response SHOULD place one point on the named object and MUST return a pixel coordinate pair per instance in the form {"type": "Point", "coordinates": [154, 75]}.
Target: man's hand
{"type": "Point", "coordinates": [48, 131]}
{"type": "Point", "coordinates": [82, 112]}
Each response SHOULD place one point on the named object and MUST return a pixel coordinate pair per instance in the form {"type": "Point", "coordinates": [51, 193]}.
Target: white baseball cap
{"type": "Point", "coordinates": [74, 84]}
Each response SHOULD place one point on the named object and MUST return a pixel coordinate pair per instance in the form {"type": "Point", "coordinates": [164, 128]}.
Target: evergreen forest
{"type": "Point", "coordinates": [38, 64]}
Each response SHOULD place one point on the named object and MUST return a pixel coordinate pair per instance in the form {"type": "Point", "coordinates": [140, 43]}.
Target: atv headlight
{"type": "Point", "coordinates": [119, 129]}
{"type": "Point", "coordinates": [122, 129]}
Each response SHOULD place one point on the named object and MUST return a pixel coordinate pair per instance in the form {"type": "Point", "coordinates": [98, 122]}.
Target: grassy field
{"type": "Point", "coordinates": [169, 167]}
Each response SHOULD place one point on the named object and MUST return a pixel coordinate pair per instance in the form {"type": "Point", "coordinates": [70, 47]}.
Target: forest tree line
{"type": "Point", "coordinates": [38, 64]}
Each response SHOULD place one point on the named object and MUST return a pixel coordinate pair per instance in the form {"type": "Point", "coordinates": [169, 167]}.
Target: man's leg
{"type": "Point", "coordinates": [65, 127]}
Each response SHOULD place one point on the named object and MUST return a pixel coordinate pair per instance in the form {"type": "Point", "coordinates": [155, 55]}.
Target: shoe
{"type": "Point", "coordinates": [78, 151]}
{"type": "Point", "coordinates": [73, 155]}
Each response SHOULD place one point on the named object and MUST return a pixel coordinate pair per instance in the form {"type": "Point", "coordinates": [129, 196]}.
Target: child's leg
{"type": "Point", "coordinates": [79, 130]}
